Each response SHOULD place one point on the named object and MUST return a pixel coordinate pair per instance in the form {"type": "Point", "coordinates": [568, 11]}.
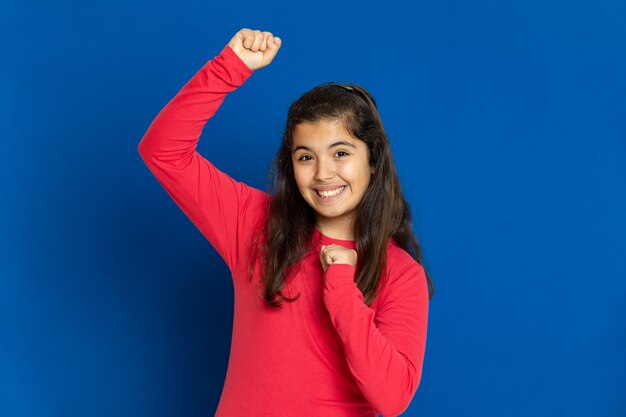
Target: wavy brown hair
{"type": "Point", "coordinates": [282, 237]}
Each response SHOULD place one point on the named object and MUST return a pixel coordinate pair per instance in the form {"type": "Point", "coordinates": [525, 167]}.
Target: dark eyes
{"type": "Point", "coordinates": [338, 152]}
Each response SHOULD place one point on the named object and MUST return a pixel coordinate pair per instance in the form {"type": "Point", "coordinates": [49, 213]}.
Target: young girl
{"type": "Point", "coordinates": [331, 301]}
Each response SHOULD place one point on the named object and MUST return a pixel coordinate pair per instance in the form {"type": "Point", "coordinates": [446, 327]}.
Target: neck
{"type": "Point", "coordinates": [335, 230]}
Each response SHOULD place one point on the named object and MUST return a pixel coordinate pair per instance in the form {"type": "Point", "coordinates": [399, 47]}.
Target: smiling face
{"type": "Point", "coordinates": [332, 172]}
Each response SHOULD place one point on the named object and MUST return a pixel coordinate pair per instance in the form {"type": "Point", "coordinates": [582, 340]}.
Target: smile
{"type": "Point", "coordinates": [326, 196]}
{"type": "Point", "coordinates": [331, 192]}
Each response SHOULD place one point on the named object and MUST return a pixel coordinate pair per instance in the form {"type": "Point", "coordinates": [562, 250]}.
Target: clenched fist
{"type": "Point", "coordinates": [337, 254]}
{"type": "Point", "coordinates": [255, 48]}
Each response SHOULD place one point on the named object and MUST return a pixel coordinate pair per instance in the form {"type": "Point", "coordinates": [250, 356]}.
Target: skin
{"type": "Point", "coordinates": [322, 166]}
{"type": "Point", "coordinates": [255, 48]}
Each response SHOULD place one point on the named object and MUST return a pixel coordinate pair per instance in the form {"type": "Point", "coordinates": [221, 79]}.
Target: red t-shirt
{"type": "Point", "coordinates": [326, 354]}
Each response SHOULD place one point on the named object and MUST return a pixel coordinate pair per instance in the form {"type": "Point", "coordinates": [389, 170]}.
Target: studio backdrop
{"type": "Point", "coordinates": [507, 125]}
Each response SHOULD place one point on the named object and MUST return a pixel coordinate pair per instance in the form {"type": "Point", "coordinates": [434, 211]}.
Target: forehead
{"type": "Point", "coordinates": [322, 133]}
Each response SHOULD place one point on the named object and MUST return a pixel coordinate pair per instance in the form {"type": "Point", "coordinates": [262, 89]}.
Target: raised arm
{"type": "Point", "coordinates": [219, 206]}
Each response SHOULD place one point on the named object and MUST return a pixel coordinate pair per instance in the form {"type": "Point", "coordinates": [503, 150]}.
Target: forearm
{"type": "Point", "coordinates": [173, 135]}
{"type": "Point", "coordinates": [386, 367]}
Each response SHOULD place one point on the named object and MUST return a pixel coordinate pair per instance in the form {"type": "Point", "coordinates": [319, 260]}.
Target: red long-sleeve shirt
{"type": "Point", "coordinates": [326, 354]}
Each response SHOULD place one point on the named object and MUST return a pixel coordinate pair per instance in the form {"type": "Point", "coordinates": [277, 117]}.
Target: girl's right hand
{"type": "Point", "coordinates": [255, 48]}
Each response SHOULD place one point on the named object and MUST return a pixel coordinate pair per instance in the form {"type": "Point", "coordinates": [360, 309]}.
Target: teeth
{"type": "Point", "coordinates": [330, 193]}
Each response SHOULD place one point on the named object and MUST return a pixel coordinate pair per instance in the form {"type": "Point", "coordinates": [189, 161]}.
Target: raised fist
{"type": "Point", "coordinates": [255, 48]}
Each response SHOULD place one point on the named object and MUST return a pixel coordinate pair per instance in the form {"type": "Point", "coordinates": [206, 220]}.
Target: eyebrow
{"type": "Point", "coordinates": [341, 142]}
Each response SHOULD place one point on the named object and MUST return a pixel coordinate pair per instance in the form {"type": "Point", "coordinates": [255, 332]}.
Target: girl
{"type": "Point", "coordinates": [331, 301]}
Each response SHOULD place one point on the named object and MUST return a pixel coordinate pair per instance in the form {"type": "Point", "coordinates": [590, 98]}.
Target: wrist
{"type": "Point", "coordinates": [237, 64]}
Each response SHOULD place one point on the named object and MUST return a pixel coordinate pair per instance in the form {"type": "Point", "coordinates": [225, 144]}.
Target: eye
{"type": "Point", "coordinates": [303, 156]}
{"type": "Point", "coordinates": [346, 153]}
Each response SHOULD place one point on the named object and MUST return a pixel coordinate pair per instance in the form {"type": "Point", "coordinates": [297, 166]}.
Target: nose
{"type": "Point", "coordinates": [324, 171]}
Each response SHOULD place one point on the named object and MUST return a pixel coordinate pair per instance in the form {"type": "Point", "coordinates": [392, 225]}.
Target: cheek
{"type": "Point", "coordinates": [357, 174]}
{"type": "Point", "coordinates": [300, 178]}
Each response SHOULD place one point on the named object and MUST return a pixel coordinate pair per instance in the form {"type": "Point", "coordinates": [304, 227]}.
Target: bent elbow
{"type": "Point", "coordinates": [394, 410]}
{"type": "Point", "coordinates": [403, 398]}
{"type": "Point", "coordinates": [141, 147]}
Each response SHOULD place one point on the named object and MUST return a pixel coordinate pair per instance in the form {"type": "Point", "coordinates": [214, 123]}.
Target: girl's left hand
{"type": "Point", "coordinates": [337, 254]}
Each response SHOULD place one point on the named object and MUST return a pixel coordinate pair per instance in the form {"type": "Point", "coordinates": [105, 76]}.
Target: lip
{"type": "Point", "coordinates": [329, 187]}
{"type": "Point", "coordinates": [324, 200]}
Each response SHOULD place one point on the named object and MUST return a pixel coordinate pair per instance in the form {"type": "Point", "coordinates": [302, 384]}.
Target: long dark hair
{"type": "Point", "coordinates": [284, 234]}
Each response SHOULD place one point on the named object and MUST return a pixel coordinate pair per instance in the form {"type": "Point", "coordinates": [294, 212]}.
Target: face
{"type": "Point", "coordinates": [327, 159]}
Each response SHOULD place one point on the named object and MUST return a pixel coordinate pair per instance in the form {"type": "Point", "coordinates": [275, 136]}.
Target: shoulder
{"type": "Point", "coordinates": [402, 276]}
{"type": "Point", "coordinates": [399, 261]}
{"type": "Point", "coordinates": [259, 199]}
{"type": "Point", "coordinates": [253, 208]}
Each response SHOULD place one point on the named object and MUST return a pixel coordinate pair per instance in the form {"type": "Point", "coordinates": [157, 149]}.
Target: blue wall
{"type": "Point", "coordinates": [508, 126]}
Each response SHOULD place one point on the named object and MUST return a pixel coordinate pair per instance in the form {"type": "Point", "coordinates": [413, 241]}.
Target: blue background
{"type": "Point", "coordinates": [508, 127]}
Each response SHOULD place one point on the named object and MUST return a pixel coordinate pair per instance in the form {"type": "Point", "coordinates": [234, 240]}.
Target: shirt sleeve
{"type": "Point", "coordinates": [385, 348]}
{"type": "Point", "coordinates": [219, 206]}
